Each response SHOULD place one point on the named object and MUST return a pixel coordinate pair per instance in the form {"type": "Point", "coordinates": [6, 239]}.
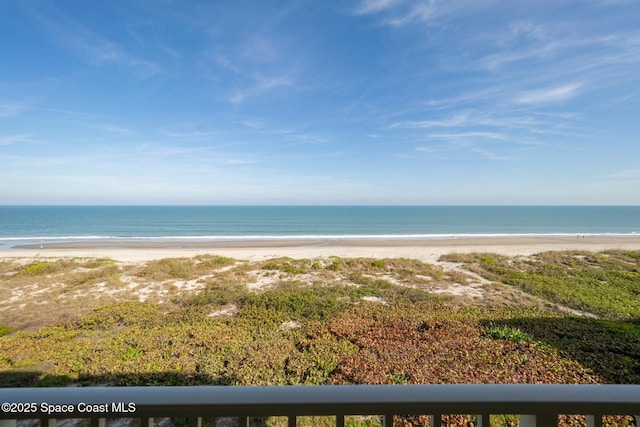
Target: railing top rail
{"type": "Point", "coordinates": [350, 399]}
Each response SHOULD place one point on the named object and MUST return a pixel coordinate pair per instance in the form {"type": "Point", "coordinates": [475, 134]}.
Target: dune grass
{"type": "Point", "coordinates": [606, 284]}
{"type": "Point", "coordinates": [323, 321]}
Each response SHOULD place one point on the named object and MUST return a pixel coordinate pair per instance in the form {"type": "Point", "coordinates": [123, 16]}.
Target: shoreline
{"type": "Point", "coordinates": [426, 249]}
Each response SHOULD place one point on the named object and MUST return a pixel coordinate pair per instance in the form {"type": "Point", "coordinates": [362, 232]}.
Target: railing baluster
{"type": "Point", "coordinates": [388, 420]}
{"type": "Point", "coordinates": [293, 422]}
{"type": "Point", "coordinates": [483, 420]}
{"type": "Point", "coordinates": [339, 420]}
{"type": "Point", "coordinates": [45, 422]}
{"type": "Point", "coordinates": [594, 420]}
{"type": "Point", "coordinates": [435, 420]}
{"type": "Point", "coordinates": [528, 421]}
{"type": "Point", "coordinates": [147, 422]}
{"type": "Point", "coordinates": [539, 420]}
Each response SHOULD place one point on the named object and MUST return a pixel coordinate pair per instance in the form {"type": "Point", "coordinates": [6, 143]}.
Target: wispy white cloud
{"type": "Point", "coordinates": [374, 6]}
{"type": "Point", "coordinates": [89, 45]}
{"type": "Point", "coordinates": [261, 86]}
{"type": "Point", "coordinates": [304, 139]}
{"type": "Point", "coordinates": [498, 60]}
{"type": "Point", "coordinates": [473, 118]}
{"type": "Point", "coordinates": [627, 173]}
{"type": "Point", "coordinates": [226, 63]}
{"type": "Point", "coordinates": [11, 110]}
{"type": "Point", "coordinates": [458, 119]}
{"type": "Point", "coordinates": [570, 49]}
{"type": "Point", "coordinates": [399, 13]}
{"type": "Point", "coordinates": [252, 123]}
{"type": "Point", "coordinates": [190, 135]}
{"type": "Point", "coordinates": [527, 30]}
{"type": "Point", "coordinates": [553, 94]}
{"type": "Point", "coordinates": [419, 12]}
{"type": "Point", "coordinates": [488, 154]}
{"type": "Point", "coordinates": [463, 143]}
{"type": "Point", "coordinates": [236, 161]}
{"type": "Point", "coordinates": [591, 58]}
{"type": "Point", "coordinates": [33, 162]}
{"type": "Point", "coordinates": [469, 135]}
{"type": "Point", "coordinates": [165, 150]}
{"type": "Point", "coordinates": [438, 148]}
{"type": "Point", "coordinates": [112, 129]}
{"type": "Point", "coordinates": [254, 65]}
{"type": "Point", "coordinates": [16, 139]}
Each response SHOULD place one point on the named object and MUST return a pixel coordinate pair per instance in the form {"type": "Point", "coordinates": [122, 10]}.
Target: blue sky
{"type": "Point", "coordinates": [320, 102]}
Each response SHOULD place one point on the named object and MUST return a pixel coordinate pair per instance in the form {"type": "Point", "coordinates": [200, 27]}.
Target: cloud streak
{"type": "Point", "coordinates": [89, 45]}
{"type": "Point", "coordinates": [627, 174]}
{"type": "Point", "coordinates": [261, 85]}
{"type": "Point", "coordinates": [375, 6]}
{"type": "Point", "coordinates": [16, 139]}
{"type": "Point", "coordinates": [11, 110]}
{"type": "Point", "coordinates": [456, 120]}
{"type": "Point", "coordinates": [553, 94]}
{"type": "Point", "coordinates": [469, 135]}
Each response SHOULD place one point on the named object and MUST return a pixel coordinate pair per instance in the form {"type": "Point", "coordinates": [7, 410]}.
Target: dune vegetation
{"type": "Point", "coordinates": [569, 317]}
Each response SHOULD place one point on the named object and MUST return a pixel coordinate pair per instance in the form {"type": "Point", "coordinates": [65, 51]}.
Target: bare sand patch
{"type": "Point", "coordinates": [228, 310]}
{"type": "Point", "coordinates": [475, 290]}
{"type": "Point", "coordinates": [377, 300]}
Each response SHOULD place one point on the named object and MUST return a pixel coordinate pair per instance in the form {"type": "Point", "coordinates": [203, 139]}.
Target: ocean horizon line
{"type": "Point", "coordinates": [275, 205]}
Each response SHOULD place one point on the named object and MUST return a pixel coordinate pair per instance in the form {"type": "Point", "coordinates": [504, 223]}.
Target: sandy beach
{"type": "Point", "coordinates": [424, 250]}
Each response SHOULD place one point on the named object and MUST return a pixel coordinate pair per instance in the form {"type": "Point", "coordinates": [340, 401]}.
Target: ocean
{"type": "Point", "coordinates": [45, 224]}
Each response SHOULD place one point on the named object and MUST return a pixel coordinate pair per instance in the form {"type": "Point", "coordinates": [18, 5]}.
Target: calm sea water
{"type": "Point", "coordinates": [33, 224]}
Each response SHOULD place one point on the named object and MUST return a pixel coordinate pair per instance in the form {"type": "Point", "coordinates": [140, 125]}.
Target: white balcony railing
{"type": "Point", "coordinates": [539, 405]}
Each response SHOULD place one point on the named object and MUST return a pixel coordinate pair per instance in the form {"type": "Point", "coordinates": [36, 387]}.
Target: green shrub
{"type": "Point", "coordinates": [218, 293]}
{"type": "Point", "coordinates": [40, 268]}
{"type": "Point", "coordinates": [4, 330]}
{"type": "Point", "coordinates": [299, 304]}
{"type": "Point", "coordinates": [214, 261]}
{"type": "Point", "coordinates": [183, 268]}
{"type": "Point", "coordinates": [488, 260]}
{"type": "Point", "coordinates": [378, 263]}
{"type": "Point", "coordinates": [288, 265]}
{"type": "Point", "coordinates": [54, 381]}
{"type": "Point", "coordinates": [507, 333]}
{"type": "Point", "coordinates": [132, 353]}
{"type": "Point", "coordinates": [336, 266]}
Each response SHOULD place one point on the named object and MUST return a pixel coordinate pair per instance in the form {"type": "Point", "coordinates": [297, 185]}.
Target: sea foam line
{"type": "Point", "coordinates": [313, 237]}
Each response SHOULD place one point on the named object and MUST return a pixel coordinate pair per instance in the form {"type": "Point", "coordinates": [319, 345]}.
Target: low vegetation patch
{"type": "Point", "coordinates": [182, 268]}
{"type": "Point", "coordinates": [39, 268]}
{"type": "Point", "coordinates": [606, 284]}
{"type": "Point", "coordinates": [4, 330]}
{"type": "Point", "coordinates": [342, 339]}
{"type": "Point", "coordinates": [507, 333]}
